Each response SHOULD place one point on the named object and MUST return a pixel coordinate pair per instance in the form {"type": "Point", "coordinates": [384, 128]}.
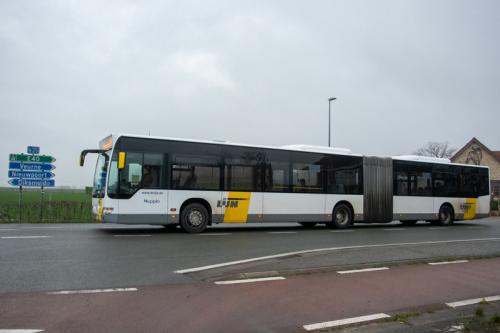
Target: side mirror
{"type": "Point", "coordinates": [82, 159]}
{"type": "Point", "coordinates": [90, 151]}
{"type": "Point", "coordinates": [121, 160]}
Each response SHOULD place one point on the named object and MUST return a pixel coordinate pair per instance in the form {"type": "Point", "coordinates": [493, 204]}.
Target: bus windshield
{"type": "Point", "coordinates": [100, 176]}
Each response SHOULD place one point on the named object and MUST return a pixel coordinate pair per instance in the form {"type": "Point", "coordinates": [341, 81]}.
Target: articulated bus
{"type": "Point", "coordinates": [194, 184]}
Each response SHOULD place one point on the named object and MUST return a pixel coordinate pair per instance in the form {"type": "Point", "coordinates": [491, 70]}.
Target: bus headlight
{"type": "Point", "coordinates": [107, 210]}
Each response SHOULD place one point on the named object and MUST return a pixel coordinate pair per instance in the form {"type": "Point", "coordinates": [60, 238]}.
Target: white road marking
{"type": "Point", "coordinates": [90, 291]}
{"type": "Point", "coordinates": [282, 232]}
{"type": "Point", "coordinates": [19, 331]}
{"type": "Point", "coordinates": [5, 229]}
{"type": "Point", "coordinates": [346, 321]}
{"type": "Point", "coordinates": [274, 278]}
{"type": "Point", "coordinates": [340, 231]}
{"type": "Point", "coordinates": [448, 262]}
{"type": "Point", "coordinates": [216, 234]}
{"type": "Point", "coordinates": [473, 301]}
{"type": "Point", "coordinates": [24, 237]}
{"type": "Point", "coordinates": [363, 270]}
{"type": "Point", "coordinates": [280, 255]}
{"type": "Point", "coordinates": [394, 229]}
{"type": "Point", "coordinates": [132, 235]}
{"type": "Point", "coordinates": [41, 228]}
{"type": "Point", "coordinates": [475, 227]}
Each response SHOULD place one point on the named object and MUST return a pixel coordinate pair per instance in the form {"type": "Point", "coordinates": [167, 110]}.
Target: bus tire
{"type": "Point", "coordinates": [194, 218]}
{"type": "Point", "coordinates": [446, 215]}
{"type": "Point", "coordinates": [308, 225]}
{"type": "Point", "coordinates": [342, 217]}
{"type": "Point", "coordinates": [409, 222]}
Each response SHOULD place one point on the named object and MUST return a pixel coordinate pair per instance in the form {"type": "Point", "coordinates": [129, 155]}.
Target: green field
{"type": "Point", "coordinates": [58, 206]}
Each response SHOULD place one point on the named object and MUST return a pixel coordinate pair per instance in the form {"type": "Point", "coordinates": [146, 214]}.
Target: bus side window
{"type": "Point", "coordinates": [306, 173]}
{"type": "Point", "coordinates": [243, 169]}
{"type": "Point", "coordinates": [152, 176]}
{"type": "Point", "coordinates": [343, 174]}
{"type": "Point", "coordinates": [195, 172]}
{"type": "Point", "coordinates": [400, 179]}
{"type": "Point", "coordinates": [277, 173]}
{"type": "Point", "coordinates": [445, 180]}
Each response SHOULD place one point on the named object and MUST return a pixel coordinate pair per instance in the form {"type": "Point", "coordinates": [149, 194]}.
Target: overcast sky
{"type": "Point", "coordinates": [258, 72]}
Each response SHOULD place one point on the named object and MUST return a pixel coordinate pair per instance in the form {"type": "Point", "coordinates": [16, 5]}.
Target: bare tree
{"type": "Point", "coordinates": [436, 149]}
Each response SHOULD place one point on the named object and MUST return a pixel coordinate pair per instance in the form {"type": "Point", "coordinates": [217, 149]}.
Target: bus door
{"type": "Point", "coordinates": [139, 189]}
{"type": "Point", "coordinates": [378, 187]}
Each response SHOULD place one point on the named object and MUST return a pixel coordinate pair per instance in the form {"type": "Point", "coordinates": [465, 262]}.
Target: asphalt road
{"type": "Point", "coordinates": [291, 304]}
{"type": "Point", "coordinates": [74, 256]}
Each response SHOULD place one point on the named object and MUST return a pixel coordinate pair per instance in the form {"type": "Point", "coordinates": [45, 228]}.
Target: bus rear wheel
{"type": "Point", "coordinates": [446, 215]}
{"type": "Point", "coordinates": [342, 217]}
{"type": "Point", "coordinates": [194, 218]}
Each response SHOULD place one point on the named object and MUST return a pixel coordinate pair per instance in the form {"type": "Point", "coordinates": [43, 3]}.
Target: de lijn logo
{"type": "Point", "coordinates": [230, 202]}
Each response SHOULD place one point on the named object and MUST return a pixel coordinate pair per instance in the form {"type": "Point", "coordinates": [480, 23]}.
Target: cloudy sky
{"type": "Point", "coordinates": [259, 72]}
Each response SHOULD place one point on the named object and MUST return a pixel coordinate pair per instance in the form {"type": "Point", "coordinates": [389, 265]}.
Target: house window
{"type": "Point", "coordinates": [496, 189]}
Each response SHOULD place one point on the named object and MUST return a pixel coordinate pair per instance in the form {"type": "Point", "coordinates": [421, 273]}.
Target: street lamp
{"type": "Point", "coordinates": [329, 119]}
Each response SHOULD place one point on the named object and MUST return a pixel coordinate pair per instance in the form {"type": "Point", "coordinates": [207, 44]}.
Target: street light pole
{"type": "Point", "coordinates": [330, 118]}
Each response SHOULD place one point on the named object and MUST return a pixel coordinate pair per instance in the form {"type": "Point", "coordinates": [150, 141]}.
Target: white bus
{"type": "Point", "coordinates": [194, 184]}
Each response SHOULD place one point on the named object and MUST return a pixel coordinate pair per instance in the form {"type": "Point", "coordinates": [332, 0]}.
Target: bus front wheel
{"type": "Point", "coordinates": [194, 218]}
{"type": "Point", "coordinates": [342, 217]}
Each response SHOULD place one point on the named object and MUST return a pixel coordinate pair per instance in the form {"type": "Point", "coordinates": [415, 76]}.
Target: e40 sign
{"type": "Point", "coordinates": [31, 158]}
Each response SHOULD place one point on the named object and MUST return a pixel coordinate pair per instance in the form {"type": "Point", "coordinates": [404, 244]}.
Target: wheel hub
{"type": "Point", "coordinates": [445, 216]}
{"type": "Point", "coordinates": [341, 217]}
{"type": "Point", "coordinates": [195, 218]}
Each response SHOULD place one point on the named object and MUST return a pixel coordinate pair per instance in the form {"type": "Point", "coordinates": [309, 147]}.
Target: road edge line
{"type": "Point", "coordinates": [363, 270]}
{"type": "Point", "coordinates": [472, 301]}
{"type": "Point", "coordinates": [448, 262]}
{"type": "Point", "coordinates": [272, 278]}
{"type": "Point", "coordinates": [345, 321]}
{"type": "Point", "coordinates": [90, 291]}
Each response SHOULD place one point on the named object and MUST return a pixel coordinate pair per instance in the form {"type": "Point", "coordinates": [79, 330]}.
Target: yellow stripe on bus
{"type": "Point", "coordinates": [99, 211]}
{"type": "Point", "coordinates": [470, 212]}
{"type": "Point", "coordinates": [237, 204]}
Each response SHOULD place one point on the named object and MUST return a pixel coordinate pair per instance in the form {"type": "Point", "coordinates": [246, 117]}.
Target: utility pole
{"type": "Point", "coordinates": [330, 119]}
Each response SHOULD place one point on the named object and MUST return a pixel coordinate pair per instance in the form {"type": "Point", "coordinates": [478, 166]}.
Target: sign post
{"type": "Point", "coordinates": [21, 198]}
{"type": "Point", "coordinates": [31, 170]}
{"type": "Point", "coordinates": [41, 202]}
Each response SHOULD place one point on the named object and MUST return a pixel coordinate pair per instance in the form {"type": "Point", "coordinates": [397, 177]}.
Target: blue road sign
{"type": "Point", "coordinates": [34, 150]}
{"type": "Point", "coordinates": [31, 166]}
{"type": "Point", "coordinates": [32, 182]}
{"type": "Point", "coordinates": [30, 174]}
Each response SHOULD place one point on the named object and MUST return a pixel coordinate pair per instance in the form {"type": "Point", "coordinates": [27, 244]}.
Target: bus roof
{"type": "Point", "coordinates": [298, 147]}
{"type": "Point", "coordinates": [430, 159]}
